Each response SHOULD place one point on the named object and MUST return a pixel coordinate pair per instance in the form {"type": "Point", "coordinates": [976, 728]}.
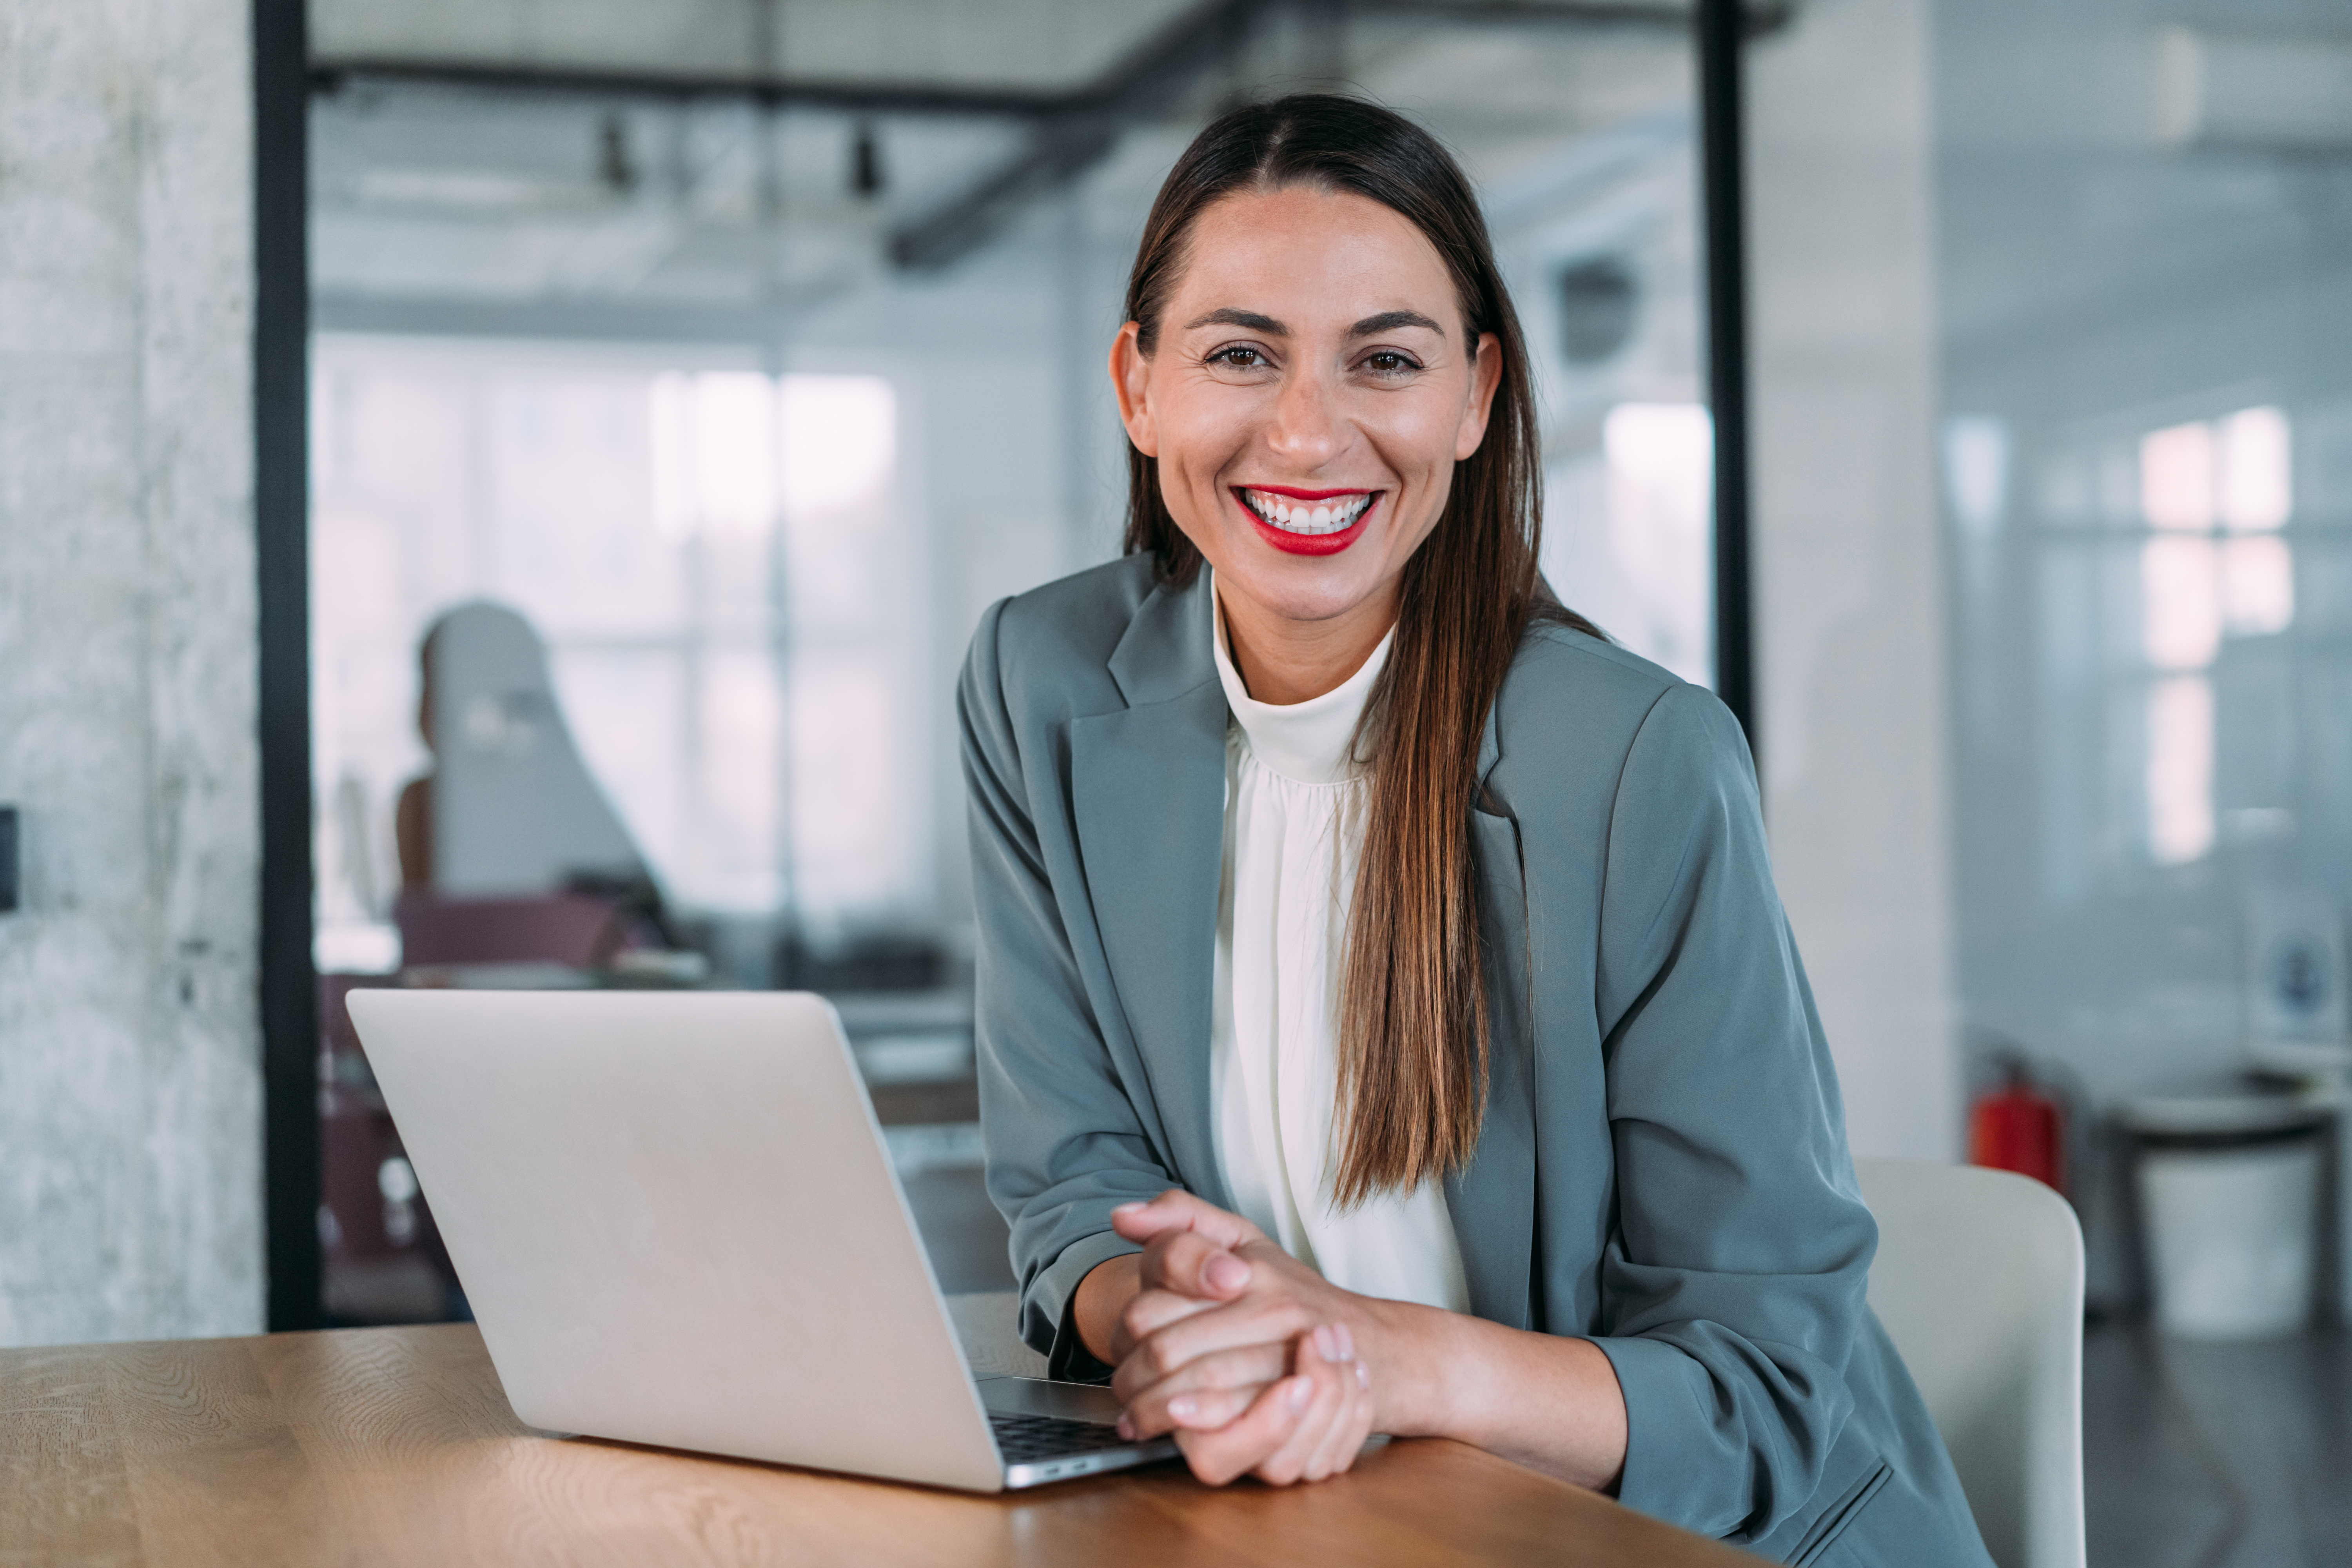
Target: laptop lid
{"type": "Point", "coordinates": [676, 1221]}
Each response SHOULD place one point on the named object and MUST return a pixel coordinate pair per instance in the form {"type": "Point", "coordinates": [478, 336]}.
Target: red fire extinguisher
{"type": "Point", "coordinates": [2019, 1127]}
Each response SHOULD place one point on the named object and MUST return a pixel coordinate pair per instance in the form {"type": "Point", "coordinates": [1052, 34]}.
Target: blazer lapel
{"type": "Point", "coordinates": [1147, 788]}
{"type": "Point", "coordinates": [1492, 1202]}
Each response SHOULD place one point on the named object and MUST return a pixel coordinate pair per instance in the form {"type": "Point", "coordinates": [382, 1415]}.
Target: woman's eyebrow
{"type": "Point", "coordinates": [1389, 321]}
{"type": "Point", "coordinates": [1249, 320]}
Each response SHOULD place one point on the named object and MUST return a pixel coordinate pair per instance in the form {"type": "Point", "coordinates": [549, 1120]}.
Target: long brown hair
{"type": "Point", "coordinates": [1413, 1024]}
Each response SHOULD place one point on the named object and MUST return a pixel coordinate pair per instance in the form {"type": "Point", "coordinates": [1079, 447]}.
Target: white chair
{"type": "Point", "coordinates": [1980, 1282]}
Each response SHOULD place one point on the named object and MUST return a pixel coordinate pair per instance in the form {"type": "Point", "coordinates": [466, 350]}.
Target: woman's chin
{"type": "Point", "coordinates": [1302, 587]}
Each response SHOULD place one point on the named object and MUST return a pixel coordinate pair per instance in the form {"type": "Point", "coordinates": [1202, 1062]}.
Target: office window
{"type": "Point", "coordinates": [2168, 578]}
{"type": "Point", "coordinates": [2212, 495]}
{"type": "Point", "coordinates": [708, 555]}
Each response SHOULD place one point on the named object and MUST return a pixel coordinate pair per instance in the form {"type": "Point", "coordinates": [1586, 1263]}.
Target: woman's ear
{"type": "Point", "coordinates": [1485, 375]}
{"type": "Point", "coordinates": [1130, 378]}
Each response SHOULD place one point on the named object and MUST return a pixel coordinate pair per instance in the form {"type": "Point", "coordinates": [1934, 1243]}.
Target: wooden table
{"type": "Point", "coordinates": [396, 1446]}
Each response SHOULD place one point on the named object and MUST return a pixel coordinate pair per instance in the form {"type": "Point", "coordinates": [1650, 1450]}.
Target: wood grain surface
{"type": "Point", "coordinates": [396, 1446]}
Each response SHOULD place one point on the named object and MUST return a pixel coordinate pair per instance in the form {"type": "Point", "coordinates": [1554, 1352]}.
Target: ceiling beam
{"type": "Point", "coordinates": [1761, 15]}
{"type": "Point", "coordinates": [330, 74]}
{"type": "Point", "coordinates": [1072, 130]}
{"type": "Point", "coordinates": [331, 77]}
{"type": "Point", "coordinates": [1074, 140]}
{"type": "Point", "coordinates": [1065, 146]}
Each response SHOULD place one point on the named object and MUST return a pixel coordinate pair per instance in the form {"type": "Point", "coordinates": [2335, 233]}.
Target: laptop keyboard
{"type": "Point", "coordinates": [1020, 1438]}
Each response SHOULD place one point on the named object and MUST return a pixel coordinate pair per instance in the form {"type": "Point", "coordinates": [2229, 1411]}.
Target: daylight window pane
{"type": "Point", "coordinates": [848, 786]}
{"type": "Point", "coordinates": [1661, 475]}
{"type": "Point", "coordinates": [1976, 471]}
{"type": "Point", "coordinates": [2180, 770]}
{"type": "Point", "coordinates": [735, 450]}
{"type": "Point", "coordinates": [738, 787]}
{"type": "Point", "coordinates": [839, 435]}
{"type": "Point", "coordinates": [2181, 624]}
{"type": "Point", "coordinates": [2176, 478]}
{"type": "Point", "coordinates": [671, 452]}
{"type": "Point", "coordinates": [2258, 586]}
{"type": "Point", "coordinates": [2257, 470]}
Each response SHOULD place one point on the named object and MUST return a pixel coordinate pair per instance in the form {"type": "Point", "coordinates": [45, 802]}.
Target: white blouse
{"type": "Point", "coordinates": [1295, 803]}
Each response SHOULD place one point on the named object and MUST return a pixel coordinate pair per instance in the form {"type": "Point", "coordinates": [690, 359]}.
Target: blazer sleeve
{"type": "Point", "coordinates": [1064, 1142]}
{"type": "Point", "coordinates": [1734, 1283]}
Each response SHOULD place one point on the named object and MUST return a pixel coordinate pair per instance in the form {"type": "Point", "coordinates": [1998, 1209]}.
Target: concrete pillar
{"type": "Point", "coordinates": [1850, 605]}
{"type": "Point", "coordinates": [130, 1054]}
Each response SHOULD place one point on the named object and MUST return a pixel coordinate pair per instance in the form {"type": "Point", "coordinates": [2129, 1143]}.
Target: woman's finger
{"type": "Point", "coordinates": [1346, 1438]}
{"type": "Point", "coordinates": [1242, 1444]}
{"type": "Point", "coordinates": [1177, 1209]}
{"type": "Point", "coordinates": [1257, 1318]}
{"type": "Point", "coordinates": [1211, 1382]}
{"type": "Point", "coordinates": [1228, 1367]}
{"type": "Point", "coordinates": [1141, 1317]}
{"type": "Point", "coordinates": [1154, 1310]}
{"type": "Point", "coordinates": [1333, 1385]}
{"type": "Point", "coordinates": [1204, 1412]}
{"type": "Point", "coordinates": [1193, 1265]}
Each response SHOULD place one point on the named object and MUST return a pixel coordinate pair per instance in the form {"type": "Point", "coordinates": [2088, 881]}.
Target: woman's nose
{"type": "Point", "coordinates": [1308, 429]}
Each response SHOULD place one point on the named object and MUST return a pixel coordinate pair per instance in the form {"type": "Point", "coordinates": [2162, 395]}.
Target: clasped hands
{"type": "Point", "coordinates": [1257, 1363]}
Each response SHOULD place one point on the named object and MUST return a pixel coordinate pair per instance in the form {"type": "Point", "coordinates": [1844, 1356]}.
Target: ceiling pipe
{"type": "Point", "coordinates": [1155, 73]}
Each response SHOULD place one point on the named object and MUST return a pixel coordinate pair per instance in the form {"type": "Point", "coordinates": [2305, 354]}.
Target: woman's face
{"type": "Point", "coordinates": [1309, 395]}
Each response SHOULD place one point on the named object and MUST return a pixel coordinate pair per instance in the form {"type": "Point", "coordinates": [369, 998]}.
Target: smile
{"type": "Point", "coordinates": [1307, 523]}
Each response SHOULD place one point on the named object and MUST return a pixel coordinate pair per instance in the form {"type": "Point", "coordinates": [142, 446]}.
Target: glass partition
{"type": "Point", "coordinates": [748, 353]}
{"type": "Point", "coordinates": [2146, 215]}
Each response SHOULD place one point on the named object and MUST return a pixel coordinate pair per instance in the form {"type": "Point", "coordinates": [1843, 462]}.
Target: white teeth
{"type": "Point", "coordinates": [1328, 518]}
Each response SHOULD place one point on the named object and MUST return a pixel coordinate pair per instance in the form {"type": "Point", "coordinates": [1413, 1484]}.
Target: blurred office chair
{"type": "Point", "coordinates": [1979, 1281]}
{"type": "Point", "coordinates": [509, 809]}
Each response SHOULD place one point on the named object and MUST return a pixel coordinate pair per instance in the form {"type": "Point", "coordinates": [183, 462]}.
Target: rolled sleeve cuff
{"type": "Point", "coordinates": [1046, 1319]}
{"type": "Point", "coordinates": [1666, 1434]}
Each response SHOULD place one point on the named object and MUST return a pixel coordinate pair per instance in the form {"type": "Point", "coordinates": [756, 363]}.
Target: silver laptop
{"type": "Point", "coordinates": [676, 1223]}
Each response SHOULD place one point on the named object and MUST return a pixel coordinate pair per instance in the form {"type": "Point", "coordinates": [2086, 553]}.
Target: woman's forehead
{"type": "Point", "coordinates": [1309, 258]}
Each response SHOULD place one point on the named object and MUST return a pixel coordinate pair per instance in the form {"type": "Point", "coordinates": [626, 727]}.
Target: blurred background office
{"type": "Point", "coordinates": [702, 371]}
{"type": "Point", "coordinates": [745, 354]}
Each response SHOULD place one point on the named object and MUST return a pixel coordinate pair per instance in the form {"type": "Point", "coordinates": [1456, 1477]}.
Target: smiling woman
{"type": "Point", "coordinates": [1386, 1019]}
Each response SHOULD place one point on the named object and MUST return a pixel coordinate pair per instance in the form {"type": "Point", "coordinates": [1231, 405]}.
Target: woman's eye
{"type": "Point", "coordinates": [1388, 362]}
{"type": "Point", "coordinates": [1239, 357]}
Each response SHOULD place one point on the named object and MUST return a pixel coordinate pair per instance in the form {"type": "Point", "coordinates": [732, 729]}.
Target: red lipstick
{"type": "Point", "coordinates": [1291, 543]}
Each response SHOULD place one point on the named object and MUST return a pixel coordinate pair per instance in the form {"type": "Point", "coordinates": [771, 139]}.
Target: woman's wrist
{"type": "Point", "coordinates": [1543, 1400]}
{"type": "Point", "coordinates": [1415, 1364]}
{"type": "Point", "coordinates": [1101, 1301]}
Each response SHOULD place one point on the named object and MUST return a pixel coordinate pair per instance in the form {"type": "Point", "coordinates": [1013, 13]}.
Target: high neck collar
{"type": "Point", "coordinates": [1307, 741]}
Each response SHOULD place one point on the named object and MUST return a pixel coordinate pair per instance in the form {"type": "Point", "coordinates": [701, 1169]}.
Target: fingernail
{"type": "Point", "coordinates": [1345, 1340]}
{"type": "Point", "coordinates": [1327, 1344]}
{"type": "Point", "coordinates": [1363, 1375]}
{"type": "Point", "coordinates": [1182, 1407]}
{"type": "Point", "coordinates": [1302, 1389]}
{"type": "Point", "coordinates": [1126, 1427]}
{"type": "Point", "coordinates": [1227, 1272]}
{"type": "Point", "coordinates": [1131, 1208]}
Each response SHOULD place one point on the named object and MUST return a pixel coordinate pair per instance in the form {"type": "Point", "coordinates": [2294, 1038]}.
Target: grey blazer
{"type": "Point", "coordinates": [1664, 1165]}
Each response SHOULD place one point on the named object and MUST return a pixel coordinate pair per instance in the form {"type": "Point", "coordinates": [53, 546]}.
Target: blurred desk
{"type": "Point", "coordinates": [941, 1010]}
{"type": "Point", "coordinates": [396, 1446]}
{"type": "Point", "coordinates": [914, 1048]}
